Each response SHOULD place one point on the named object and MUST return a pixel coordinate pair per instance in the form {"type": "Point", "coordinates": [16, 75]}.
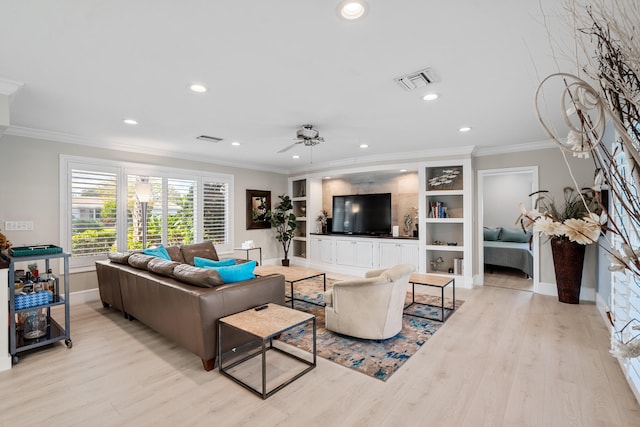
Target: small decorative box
{"type": "Point", "coordinates": [33, 300]}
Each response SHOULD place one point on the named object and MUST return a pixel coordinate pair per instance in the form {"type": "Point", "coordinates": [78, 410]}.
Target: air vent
{"type": "Point", "coordinates": [416, 80]}
{"type": "Point", "coordinates": [209, 138]}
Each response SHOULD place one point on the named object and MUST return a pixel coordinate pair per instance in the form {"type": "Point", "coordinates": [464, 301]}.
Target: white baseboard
{"type": "Point", "coordinates": [586, 294]}
{"type": "Point", "coordinates": [603, 309]}
{"type": "Point", "coordinates": [83, 297]}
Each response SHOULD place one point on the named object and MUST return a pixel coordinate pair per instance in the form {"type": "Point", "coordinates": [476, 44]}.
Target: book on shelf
{"type": "Point", "coordinates": [438, 210]}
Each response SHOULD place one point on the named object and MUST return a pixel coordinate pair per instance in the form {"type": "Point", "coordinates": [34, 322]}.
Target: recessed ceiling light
{"type": "Point", "coordinates": [364, 146]}
{"type": "Point", "coordinates": [235, 143]}
{"type": "Point", "coordinates": [197, 88]}
{"type": "Point", "coordinates": [403, 170]}
{"type": "Point", "coordinates": [327, 177]}
{"type": "Point", "coordinates": [351, 9]}
{"type": "Point", "coordinates": [430, 97]}
{"type": "Point", "coordinates": [464, 129]}
{"type": "Point", "coordinates": [295, 156]}
{"type": "Point", "coordinates": [130, 121]}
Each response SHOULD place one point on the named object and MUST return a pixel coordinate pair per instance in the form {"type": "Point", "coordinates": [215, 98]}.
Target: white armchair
{"type": "Point", "coordinates": [369, 308]}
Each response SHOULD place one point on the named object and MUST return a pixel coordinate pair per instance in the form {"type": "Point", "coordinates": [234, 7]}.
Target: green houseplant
{"type": "Point", "coordinates": [283, 221]}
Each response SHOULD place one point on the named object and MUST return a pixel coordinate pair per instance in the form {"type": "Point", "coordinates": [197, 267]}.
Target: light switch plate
{"type": "Point", "coordinates": [18, 225]}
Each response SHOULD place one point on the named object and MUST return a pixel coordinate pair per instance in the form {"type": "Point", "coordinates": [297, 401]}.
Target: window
{"type": "Point", "coordinates": [102, 211]}
{"type": "Point", "coordinates": [93, 212]}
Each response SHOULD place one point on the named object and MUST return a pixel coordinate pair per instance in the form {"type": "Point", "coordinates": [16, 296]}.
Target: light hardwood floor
{"type": "Point", "coordinates": [506, 358]}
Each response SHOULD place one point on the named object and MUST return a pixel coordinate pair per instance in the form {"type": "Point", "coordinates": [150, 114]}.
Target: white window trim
{"type": "Point", "coordinates": [67, 163]}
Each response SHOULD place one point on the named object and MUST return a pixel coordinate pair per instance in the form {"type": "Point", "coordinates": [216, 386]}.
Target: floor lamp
{"type": "Point", "coordinates": [143, 191]}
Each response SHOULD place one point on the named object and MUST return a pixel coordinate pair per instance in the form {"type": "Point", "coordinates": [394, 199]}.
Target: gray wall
{"type": "Point", "coordinates": [30, 191]}
{"type": "Point", "coordinates": [553, 175]}
{"type": "Point", "coordinates": [502, 197]}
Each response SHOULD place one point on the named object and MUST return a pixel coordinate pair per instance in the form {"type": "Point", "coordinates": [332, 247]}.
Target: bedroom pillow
{"type": "Point", "coordinates": [206, 262]}
{"type": "Point", "coordinates": [236, 273]}
{"type": "Point", "coordinates": [159, 252]}
{"type": "Point", "coordinates": [491, 234]}
{"type": "Point", "coordinates": [515, 235]}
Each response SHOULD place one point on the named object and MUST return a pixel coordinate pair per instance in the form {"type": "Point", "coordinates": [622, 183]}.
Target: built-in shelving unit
{"type": "Point", "coordinates": [447, 220]}
{"type": "Point", "coordinates": [299, 193]}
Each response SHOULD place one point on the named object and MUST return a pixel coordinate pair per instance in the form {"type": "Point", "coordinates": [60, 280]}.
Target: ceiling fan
{"type": "Point", "coordinates": [306, 135]}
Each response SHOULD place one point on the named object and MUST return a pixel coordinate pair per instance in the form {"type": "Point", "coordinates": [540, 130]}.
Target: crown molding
{"type": "Point", "coordinates": [405, 156]}
{"type": "Point", "coordinates": [108, 145]}
{"type": "Point", "coordinates": [515, 148]}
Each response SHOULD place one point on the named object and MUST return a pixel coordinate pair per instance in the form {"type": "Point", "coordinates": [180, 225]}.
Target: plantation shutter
{"type": "Point", "coordinates": [93, 212]}
{"type": "Point", "coordinates": [215, 217]}
{"type": "Point", "coordinates": [180, 211]}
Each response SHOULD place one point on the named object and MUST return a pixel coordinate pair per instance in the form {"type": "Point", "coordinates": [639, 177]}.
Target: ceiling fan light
{"type": "Point", "coordinates": [351, 9]}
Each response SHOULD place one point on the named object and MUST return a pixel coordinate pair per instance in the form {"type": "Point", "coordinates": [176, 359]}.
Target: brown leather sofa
{"type": "Point", "coordinates": [180, 301]}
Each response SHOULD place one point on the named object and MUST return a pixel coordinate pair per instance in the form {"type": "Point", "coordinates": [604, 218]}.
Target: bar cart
{"type": "Point", "coordinates": [31, 323]}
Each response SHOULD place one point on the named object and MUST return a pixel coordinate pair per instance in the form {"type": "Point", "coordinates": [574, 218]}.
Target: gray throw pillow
{"type": "Point", "coordinates": [491, 233]}
{"type": "Point", "coordinates": [515, 235]}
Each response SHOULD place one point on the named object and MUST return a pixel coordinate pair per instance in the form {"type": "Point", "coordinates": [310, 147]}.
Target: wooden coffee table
{"type": "Point", "coordinates": [264, 323]}
{"type": "Point", "coordinates": [293, 274]}
{"type": "Point", "coordinates": [436, 282]}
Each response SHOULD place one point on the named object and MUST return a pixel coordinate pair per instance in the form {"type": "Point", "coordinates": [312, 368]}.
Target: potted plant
{"type": "Point", "coordinates": [570, 227]}
{"type": "Point", "coordinates": [283, 221]}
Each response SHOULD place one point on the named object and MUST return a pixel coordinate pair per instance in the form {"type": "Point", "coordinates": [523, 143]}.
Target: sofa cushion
{"type": "Point", "coordinates": [202, 250]}
{"type": "Point", "coordinates": [236, 273]}
{"type": "Point", "coordinates": [196, 276]}
{"type": "Point", "coordinates": [514, 235]}
{"type": "Point", "coordinates": [162, 267]}
{"type": "Point", "coordinates": [159, 252]}
{"type": "Point", "coordinates": [119, 257]}
{"type": "Point", "coordinates": [140, 260]}
{"type": "Point", "coordinates": [204, 262]}
{"type": "Point", "coordinates": [175, 254]}
{"type": "Point", "coordinates": [491, 233]}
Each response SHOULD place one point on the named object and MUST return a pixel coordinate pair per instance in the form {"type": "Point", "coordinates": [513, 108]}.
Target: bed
{"type": "Point", "coordinates": [508, 247]}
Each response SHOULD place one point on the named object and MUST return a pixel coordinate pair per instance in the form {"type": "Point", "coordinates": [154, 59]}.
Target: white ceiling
{"type": "Point", "coordinates": [271, 66]}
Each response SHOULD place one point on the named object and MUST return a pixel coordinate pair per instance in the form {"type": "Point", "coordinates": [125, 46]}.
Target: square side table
{"type": "Point", "coordinates": [264, 325]}
{"type": "Point", "coordinates": [436, 282]}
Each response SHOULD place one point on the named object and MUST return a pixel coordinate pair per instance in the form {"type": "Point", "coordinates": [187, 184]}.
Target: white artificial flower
{"type": "Point", "coordinates": [548, 226]}
{"type": "Point", "coordinates": [578, 144]}
{"type": "Point", "coordinates": [581, 231]}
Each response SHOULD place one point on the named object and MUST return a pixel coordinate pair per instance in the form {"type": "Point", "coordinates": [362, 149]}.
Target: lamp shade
{"type": "Point", "coordinates": [143, 191]}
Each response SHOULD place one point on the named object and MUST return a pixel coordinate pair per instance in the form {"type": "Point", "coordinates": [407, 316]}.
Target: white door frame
{"type": "Point", "coordinates": [482, 174]}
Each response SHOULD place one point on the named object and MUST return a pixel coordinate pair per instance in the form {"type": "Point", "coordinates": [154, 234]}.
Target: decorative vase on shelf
{"type": "Point", "coordinates": [568, 259]}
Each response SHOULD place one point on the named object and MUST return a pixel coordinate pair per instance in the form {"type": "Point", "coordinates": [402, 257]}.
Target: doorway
{"type": "Point", "coordinates": [500, 192]}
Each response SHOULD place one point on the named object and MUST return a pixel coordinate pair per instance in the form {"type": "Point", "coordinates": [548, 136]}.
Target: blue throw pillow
{"type": "Point", "coordinates": [236, 273]}
{"type": "Point", "coordinates": [159, 252]}
{"type": "Point", "coordinates": [206, 262]}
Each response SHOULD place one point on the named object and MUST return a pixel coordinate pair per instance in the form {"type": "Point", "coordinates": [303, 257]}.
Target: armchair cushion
{"type": "Point", "coordinates": [371, 307]}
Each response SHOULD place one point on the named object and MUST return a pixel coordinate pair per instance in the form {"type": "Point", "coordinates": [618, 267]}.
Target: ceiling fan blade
{"type": "Point", "coordinates": [289, 147]}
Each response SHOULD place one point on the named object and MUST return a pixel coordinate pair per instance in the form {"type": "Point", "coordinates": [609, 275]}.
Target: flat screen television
{"type": "Point", "coordinates": [367, 214]}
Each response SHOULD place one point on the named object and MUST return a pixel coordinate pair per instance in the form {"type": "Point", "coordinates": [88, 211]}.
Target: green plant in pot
{"type": "Point", "coordinates": [283, 221]}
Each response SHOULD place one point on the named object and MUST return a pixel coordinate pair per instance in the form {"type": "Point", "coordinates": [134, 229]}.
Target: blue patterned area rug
{"type": "Point", "coordinates": [376, 358]}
